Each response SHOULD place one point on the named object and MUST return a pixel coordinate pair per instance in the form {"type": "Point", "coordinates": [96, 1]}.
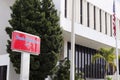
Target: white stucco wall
{"type": "Point", "coordinates": [4, 17]}
{"type": "Point", "coordinates": [12, 73]}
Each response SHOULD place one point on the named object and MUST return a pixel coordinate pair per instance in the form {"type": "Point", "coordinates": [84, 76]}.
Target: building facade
{"type": "Point", "coordinates": [93, 30]}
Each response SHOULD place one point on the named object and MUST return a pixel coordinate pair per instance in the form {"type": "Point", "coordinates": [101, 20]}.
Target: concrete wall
{"type": "Point", "coordinates": [4, 17]}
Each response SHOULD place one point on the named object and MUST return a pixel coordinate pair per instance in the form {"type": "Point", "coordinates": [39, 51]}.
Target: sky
{"type": "Point", "coordinates": [118, 0]}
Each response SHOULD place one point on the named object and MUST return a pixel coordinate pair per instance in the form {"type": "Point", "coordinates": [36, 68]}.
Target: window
{"type": "Point", "coordinates": [100, 21]}
{"type": "Point", "coordinates": [94, 17]}
{"type": "Point", "coordinates": [105, 23]}
{"type": "Point", "coordinates": [83, 62]}
{"type": "Point", "coordinates": [81, 10]}
{"type": "Point", "coordinates": [3, 72]}
{"type": "Point", "coordinates": [111, 25]}
{"type": "Point", "coordinates": [88, 17]}
{"type": "Point", "coordinates": [65, 8]}
{"type": "Point", "coordinates": [76, 61]}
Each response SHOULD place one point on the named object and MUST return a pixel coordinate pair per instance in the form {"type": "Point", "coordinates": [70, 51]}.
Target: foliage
{"type": "Point", "coordinates": [108, 78]}
{"type": "Point", "coordinates": [38, 18]}
{"type": "Point", "coordinates": [108, 55]}
{"type": "Point", "coordinates": [62, 71]}
{"type": "Point", "coordinates": [78, 76]}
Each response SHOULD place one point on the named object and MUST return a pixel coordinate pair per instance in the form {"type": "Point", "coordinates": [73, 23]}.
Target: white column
{"type": "Point", "coordinates": [25, 66]}
{"type": "Point", "coordinates": [62, 11]}
{"type": "Point", "coordinates": [77, 11]}
{"type": "Point", "coordinates": [62, 8]}
{"type": "Point", "coordinates": [118, 22]}
{"type": "Point", "coordinates": [91, 17]}
{"type": "Point", "coordinates": [117, 26]}
{"type": "Point", "coordinates": [84, 12]}
{"type": "Point", "coordinates": [69, 9]}
{"type": "Point", "coordinates": [103, 22]}
{"type": "Point", "coordinates": [108, 25]}
{"type": "Point", "coordinates": [97, 19]}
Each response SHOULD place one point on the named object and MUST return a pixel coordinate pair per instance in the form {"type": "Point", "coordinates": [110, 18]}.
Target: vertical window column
{"type": "Point", "coordinates": [76, 60]}
{"type": "Point", "coordinates": [80, 57]}
{"type": "Point", "coordinates": [88, 15]}
{"type": "Point", "coordinates": [81, 11]}
{"type": "Point", "coordinates": [94, 17]}
{"type": "Point", "coordinates": [81, 69]}
{"type": "Point", "coordinates": [90, 65]}
{"type": "Point", "coordinates": [106, 23]}
{"type": "Point", "coordinates": [111, 28]}
{"type": "Point", "coordinates": [65, 8]}
{"type": "Point", "coordinates": [100, 20]}
{"type": "Point", "coordinates": [84, 51]}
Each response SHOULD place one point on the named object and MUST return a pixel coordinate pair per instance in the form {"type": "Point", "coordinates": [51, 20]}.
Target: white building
{"type": "Point", "coordinates": [93, 30]}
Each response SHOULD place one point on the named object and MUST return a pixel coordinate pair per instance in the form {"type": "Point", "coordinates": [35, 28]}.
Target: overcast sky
{"type": "Point", "coordinates": [118, 0]}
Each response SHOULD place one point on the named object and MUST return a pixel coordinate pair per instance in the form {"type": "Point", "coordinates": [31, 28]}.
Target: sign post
{"type": "Point", "coordinates": [25, 66]}
{"type": "Point", "coordinates": [27, 44]}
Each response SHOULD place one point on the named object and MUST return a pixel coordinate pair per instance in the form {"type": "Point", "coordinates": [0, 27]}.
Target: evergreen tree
{"type": "Point", "coordinates": [38, 18]}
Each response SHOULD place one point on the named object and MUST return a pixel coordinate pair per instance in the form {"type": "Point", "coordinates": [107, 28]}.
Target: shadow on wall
{"type": "Point", "coordinates": [13, 75]}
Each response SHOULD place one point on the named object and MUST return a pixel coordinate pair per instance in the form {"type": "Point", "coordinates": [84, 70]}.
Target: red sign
{"type": "Point", "coordinates": [24, 42]}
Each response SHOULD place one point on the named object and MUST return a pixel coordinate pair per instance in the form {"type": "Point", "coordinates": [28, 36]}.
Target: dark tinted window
{"type": "Point", "coordinates": [3, 72]}
{"type": "Point", "coordinates": [83, 63]}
